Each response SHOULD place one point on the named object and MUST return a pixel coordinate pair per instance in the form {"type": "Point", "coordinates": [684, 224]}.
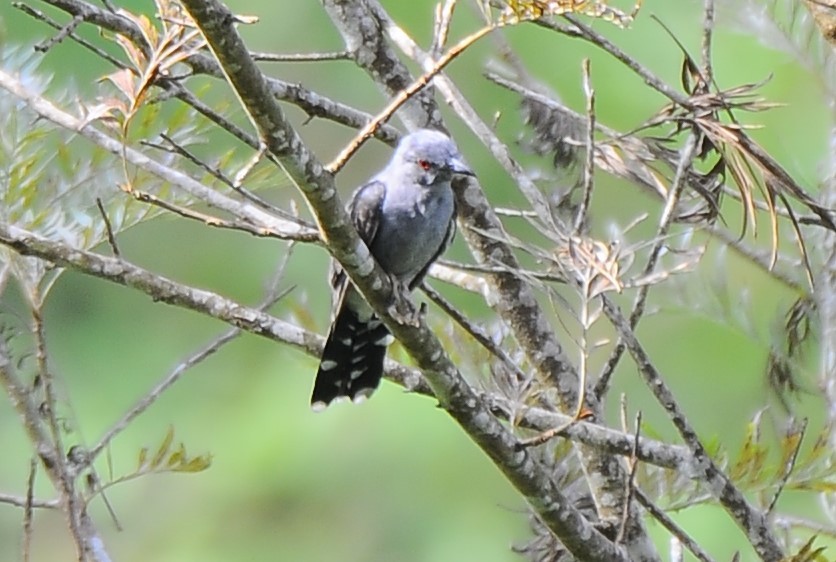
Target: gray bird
{"type": "Point", "coordinates": [406, 216]}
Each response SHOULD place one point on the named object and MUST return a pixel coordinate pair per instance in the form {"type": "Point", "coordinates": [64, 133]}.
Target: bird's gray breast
{"type": "Point", "coordinates": [412, 229]}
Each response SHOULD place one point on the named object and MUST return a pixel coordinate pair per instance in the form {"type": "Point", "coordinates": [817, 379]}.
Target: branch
{"type": "Point", "coordinates": [677, 186]}
{"type": "Point", "coordinates": [18, 501]}
{"type": "Point", "coordinates": [360, 30]}
{"type": "Point", "coordinates": [749, 519]}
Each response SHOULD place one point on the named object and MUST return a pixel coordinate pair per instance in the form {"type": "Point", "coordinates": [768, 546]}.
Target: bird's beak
{"type": "Point", "coordinates": [457, 166]}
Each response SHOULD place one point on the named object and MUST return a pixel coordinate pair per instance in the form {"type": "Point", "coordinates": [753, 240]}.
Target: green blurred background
{"type": "Point", "coordinates": [394, 479]}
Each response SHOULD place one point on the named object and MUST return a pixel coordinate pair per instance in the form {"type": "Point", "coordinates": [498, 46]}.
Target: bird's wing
{"type": "Point", "coordinates": [364, 209]}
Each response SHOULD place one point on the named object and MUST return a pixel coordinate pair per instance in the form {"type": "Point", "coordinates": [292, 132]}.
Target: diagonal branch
{"type": "Point", "coordinates": [752, 521]}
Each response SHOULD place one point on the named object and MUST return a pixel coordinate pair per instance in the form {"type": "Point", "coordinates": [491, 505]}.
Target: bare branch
{"type": "Point", "coordinates": [301, 57]}
{"type": "Point", "coordinates": [679, 534]}
{"type": "Point", "coordinates": [23, 502]}
{"type": "Point", "coordinates": [748, 518]}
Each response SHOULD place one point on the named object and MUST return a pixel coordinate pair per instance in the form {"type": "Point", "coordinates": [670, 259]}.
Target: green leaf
{"type": "Point", "coordinates": [197, 464]}
{"type": "Point", "coordinates": [143, 458]}
{"type": "Point", "coordinates": [165, 446]}
{"type": "Point", "coordinates": [807, 553]}
{"type": "Point", "coordinates": [177, 457]}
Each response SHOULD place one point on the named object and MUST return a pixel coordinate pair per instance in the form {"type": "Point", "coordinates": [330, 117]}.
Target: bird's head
{"type": "Point", "coordinates": [430, 157]}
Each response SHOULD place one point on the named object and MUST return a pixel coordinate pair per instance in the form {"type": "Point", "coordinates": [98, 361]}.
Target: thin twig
{"type": "Point", "coordinates": [589, 161]}
{"type": "Point", "coordinates": [475, 331]}
{"type": "Point", "coordinates": [807, 524]}
{"type": "Point", "coordinates": [40, 16]}
{"type": "Point", "coordinates": [18, 501]}
{"type": "Point", "coordinates": [589, 34]}
{"type": "Point", "coordinates": [182, 151]}
{"type": "Point", "coordinates": [111, 238]}
{"type": "Point", "coordinates": [707, 30]}
{"type": "Point", "coordinates": [60, 36]}
{"type": "Point", "coordinates": [210, 220]}
{"type": "Point", "coordinates": [161, 387]}
{"type": "Point", "coordinates": [669, 524]}
{"type": "Point", "coordinates": [788, 468]}
{"type": "Point", "coordinates": [301, 57]}
{"type": "Point", "coordinates": [759, 259]}
{"type": "Point", "coordinates": [249, 165]}
{"type": "Point", "coordinates": [630, 484]}
{"type": "Point", "coordinates": [27, 509]}
{"type": "Point", "coordinates": [443, 19]}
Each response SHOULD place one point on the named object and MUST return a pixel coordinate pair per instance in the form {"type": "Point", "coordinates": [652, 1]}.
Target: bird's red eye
{"type": "Point", "coordinates": [425, 164]}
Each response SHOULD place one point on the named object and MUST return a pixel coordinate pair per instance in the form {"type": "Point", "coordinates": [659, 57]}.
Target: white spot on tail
{"type": "Point", "coordinates": [318, 406]}
{"type": "Point", "coordinates": [385, 340]}
{"type": "Point", "coordinates": [362, 395]}
{"type": "Point", "coordinates": [327, 365]}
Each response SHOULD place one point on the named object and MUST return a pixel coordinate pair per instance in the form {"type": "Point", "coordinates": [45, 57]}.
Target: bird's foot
{"type": "Point", "coordinates": [402, 310]}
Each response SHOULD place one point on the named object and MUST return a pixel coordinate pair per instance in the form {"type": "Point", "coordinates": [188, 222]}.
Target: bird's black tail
{"type": "Point", "coordinates": [352, 361]}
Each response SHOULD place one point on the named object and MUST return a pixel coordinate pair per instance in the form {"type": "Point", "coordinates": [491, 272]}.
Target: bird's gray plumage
{"type": "Point", "coordinates": [406, 216]}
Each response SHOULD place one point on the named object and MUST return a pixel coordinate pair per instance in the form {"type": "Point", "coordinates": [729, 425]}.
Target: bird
{"type": "Point", "coordinates": [406, 215]}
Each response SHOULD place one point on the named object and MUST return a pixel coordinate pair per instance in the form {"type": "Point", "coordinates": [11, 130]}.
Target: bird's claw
{"type": "Point", "coordinates": [402, 310]}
